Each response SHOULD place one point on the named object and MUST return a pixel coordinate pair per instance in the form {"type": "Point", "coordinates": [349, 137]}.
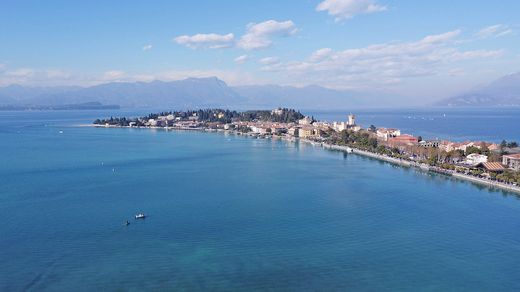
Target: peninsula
{"type": "Point", "coordinates": [495, 165]}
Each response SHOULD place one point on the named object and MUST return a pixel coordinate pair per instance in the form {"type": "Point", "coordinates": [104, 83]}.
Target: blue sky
{"type": "Point", "coordinates": [393, 47]}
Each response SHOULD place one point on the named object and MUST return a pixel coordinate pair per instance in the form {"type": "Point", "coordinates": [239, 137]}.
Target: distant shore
{"type": "Point", "coordinates": [396, 161]}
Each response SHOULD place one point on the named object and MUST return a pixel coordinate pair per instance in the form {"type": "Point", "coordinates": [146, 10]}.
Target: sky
{"type": "Point", "coordinates": [431, 49]}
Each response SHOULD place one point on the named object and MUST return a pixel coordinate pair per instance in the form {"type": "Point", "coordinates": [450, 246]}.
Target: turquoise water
{"type": "Point", "coordinates": [235, 213]}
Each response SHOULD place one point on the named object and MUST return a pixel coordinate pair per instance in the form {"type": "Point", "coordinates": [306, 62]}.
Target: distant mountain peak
{"type": "Point", "coordinates": [181, 94]}
{"type": "Point", "coordinates": [504, 91]}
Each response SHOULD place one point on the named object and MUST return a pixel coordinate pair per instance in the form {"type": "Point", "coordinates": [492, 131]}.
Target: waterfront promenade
{"type": "Point", "coordinates": [425, 167]}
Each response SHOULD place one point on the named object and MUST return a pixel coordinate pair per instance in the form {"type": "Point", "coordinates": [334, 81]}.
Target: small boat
{"type": "Point", "coordinates": [126, 223]}
{"type": "Point", "coordinates": [140, 216]}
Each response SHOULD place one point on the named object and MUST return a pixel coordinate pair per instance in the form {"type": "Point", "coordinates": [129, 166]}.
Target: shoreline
{"type": "Point", "coordinates": [396, 161]}
{"type": "Point", "coordinates": [426, 168]}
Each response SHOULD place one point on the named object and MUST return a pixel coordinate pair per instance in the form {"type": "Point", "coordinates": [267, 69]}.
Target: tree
{"type": "Point", "coordinates": [494, 157]}
{"type": "Point", "coordinates": [432, 156]}
{"type": "Point", "coordinates": [473, 149]}
{"type": "Point", "coordinates": [503, 145]}
{"type": "Point", "coordinates": [381, 149]}
{"type": "Point", "coordinates": [455, 155]}
{"type": "Point", "coordinates": [372, 128]}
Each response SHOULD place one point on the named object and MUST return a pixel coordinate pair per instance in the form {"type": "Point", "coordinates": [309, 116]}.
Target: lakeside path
{"type": "Point", "coordinates": [396, 161]}
{"type": "Point", "coordinates": [424, 167]}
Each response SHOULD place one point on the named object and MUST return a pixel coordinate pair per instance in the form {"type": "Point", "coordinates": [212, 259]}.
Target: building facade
{"type": "Point", "coordinates": [384, 133]}
{"type": "Point", "coordinates": [512, 161]}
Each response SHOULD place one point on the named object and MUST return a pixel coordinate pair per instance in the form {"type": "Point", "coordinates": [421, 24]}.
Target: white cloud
{"type": "Point", "coordinates": [381, 65]}
{"type": "Point", "coordinates": [241, 59]}
{"type": "Point", "coordinates": [345, 9]}
{"type": "Point", "coordinates": [456, 72]}
{"type": "Point", "coordinates": [61, 77]}
{"type": "Point", "coordinates": [476, 54]}
{"type": "Point", "coordinates": [441, 38]}
{"type": "Point", "coordinates": [496, 30]}
{"type": "Point", "coordinates": [113, 75]}
{"type": "Point", "coordinates": [53, 77]}
{"type": "Point", "coordinates": [259, 35]}
{"type": "Point", "coordinates": [31, 76]}
{"type": "Point", "coordinates": [21, 73]}
{"type": "Point", "coordinates": [210, 40]}
{"type": "Point", "coordinates": [58, 74]}
{"type": "Point", "coordinates": [269, 60]}
{"type": "Point", "coordinates": [320, 54]}
{"type": "Point", "coordinates": [147, 47]}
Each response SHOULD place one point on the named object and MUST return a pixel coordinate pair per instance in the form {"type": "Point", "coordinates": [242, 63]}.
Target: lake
{"type": "Point", "coordinates": [234, 213]}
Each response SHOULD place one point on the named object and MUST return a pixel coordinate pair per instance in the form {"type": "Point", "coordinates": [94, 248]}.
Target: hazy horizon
{"type": "Point", "coordinates": [393, 48]}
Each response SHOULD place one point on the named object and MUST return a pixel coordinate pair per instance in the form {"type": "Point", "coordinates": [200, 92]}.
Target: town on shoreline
{"type": "Point", "coordinates": [483, 162]}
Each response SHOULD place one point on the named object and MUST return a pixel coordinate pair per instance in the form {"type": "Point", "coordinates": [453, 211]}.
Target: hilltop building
{"type": "Point", "coordinates": [278, 111]}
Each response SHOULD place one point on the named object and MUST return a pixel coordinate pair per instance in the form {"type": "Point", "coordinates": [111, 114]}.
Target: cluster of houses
{"type": "Point", "coordinates": [170, 121]}
{"type": "Point", "coordinates": [308, 128]}
{"type": "Point", "coordinates": [404, 142]}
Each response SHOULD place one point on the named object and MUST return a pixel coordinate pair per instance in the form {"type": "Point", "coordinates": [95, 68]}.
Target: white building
{"type": "Point", "coordinates": [260, 130]}
{"type": "Point", "coordinates": [351, 120]}
{"type": "Point", "coordinates": [194, 117]}
{"type": "Point", "coordinates": [277, 112]}
{"type": "Point", "coordinates": [355, 128]}
{"type": "Point", "coordinates": [305, 121]}
{"type": "Point", "coordinates": [512, 161]}
{"type": "Point", "coordinates": [475, 158]}
{"type": "Point", "coordinates": [384, 133]}
{"type": "Point", "coordinates": [349, 124]}
{"type": "Point", "coordinates": [339, 126]}
{"type": "Point", "coordinates": [152, 122]}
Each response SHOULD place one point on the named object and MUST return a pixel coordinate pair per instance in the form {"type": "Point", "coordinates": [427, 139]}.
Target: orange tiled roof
{"type": "Point", "coordinates": [493, 166]}
{"type": "Point", "coordinates": [513, 156]}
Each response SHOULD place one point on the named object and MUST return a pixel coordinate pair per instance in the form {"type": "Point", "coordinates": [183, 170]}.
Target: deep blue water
{"type": "Point", "coordinates": [235, 213]}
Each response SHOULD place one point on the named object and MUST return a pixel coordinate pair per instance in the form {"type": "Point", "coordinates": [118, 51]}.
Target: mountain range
{"type": "Point", "coordinates": [187, 93]}
{"type": "Point", "coordinates": [213, 92]}
{"type": "Point", "coordinates": [504, 91]}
